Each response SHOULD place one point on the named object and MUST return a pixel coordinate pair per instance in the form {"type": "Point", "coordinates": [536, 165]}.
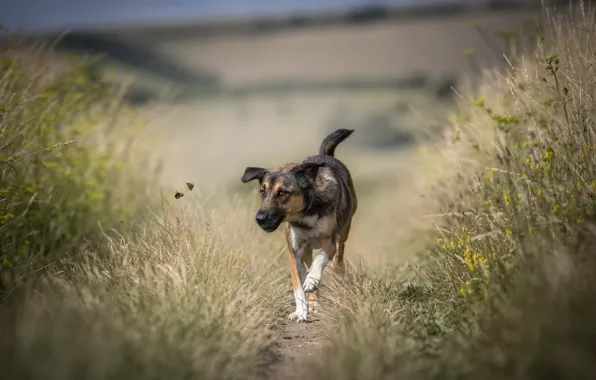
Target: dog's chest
{"type": "Point", "coordinates": [309, 232]}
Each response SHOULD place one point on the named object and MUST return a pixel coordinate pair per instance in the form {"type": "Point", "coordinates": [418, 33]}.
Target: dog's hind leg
{"type": "Point", "coordinates": [338, 260]}
{"type": "Point", "coordinates": [313, 298]}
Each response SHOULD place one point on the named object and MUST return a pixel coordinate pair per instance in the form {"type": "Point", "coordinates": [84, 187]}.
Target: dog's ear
{"type": "Point", "coordinates": [251, 173]}
{"type": "Point", "coordinates": [306, 173]}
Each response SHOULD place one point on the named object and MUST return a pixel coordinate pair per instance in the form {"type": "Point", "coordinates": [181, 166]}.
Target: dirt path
{"type": "Point", "coordinates": [297, 345]}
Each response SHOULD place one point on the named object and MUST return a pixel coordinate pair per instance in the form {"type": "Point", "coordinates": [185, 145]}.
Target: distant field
{"type": "Point", "coordinates": [236, 130]}
{"type": "Point", "coordinates": [432, 47]}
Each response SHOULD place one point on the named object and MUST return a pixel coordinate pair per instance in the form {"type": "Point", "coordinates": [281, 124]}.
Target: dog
{"type": "Point", "coordinates": [316, 200]}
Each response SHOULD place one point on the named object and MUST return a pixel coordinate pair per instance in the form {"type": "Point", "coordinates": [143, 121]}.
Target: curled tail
{"type": "Point", "coordinates": [332, 141]}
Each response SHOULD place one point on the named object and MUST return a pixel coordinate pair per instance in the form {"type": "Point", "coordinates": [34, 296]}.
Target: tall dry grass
{"type": "Point", "coordinates": [500, 296]}
{"type": "Point", "coordinates": [65, 159]}
{"type": "Point", "coordinates": [170, 301]}
{"type": "Point", "coordinates": [102, 278]}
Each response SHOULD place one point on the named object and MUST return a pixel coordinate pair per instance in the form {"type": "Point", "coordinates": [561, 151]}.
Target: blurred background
{"type": "Point", "coordinates": [229, 84]}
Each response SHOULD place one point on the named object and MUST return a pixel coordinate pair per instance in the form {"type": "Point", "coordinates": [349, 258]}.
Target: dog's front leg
{"type": "Point", "coordinates": [298, 272]}
{"type": "Point", "coordinates": [313, 278]}
{"type": "Point", "coordinates": [313, 298]}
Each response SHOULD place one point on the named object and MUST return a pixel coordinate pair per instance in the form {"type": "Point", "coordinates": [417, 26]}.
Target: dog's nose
{"type": "Point", "coordinates": [261, 217]}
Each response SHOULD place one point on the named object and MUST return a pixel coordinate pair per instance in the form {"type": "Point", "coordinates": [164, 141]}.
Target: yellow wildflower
{"type": "Point", "coordinates": [556, 208]}
{"type": "Point", "coordinates": [548, 155]}
{"type": "Point", "coordinates": [506, 197]}
{"type": "Point", "coordinates": [462, 291]}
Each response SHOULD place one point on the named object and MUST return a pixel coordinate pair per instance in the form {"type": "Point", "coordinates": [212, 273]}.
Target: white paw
{"type": "Point", "coordinates": [298, 316]}
{"type": "Point", "coordinates": [311, 283]}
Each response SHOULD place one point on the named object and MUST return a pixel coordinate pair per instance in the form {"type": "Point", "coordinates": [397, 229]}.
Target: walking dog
{"type": "Point", "coordinates": [316, 200]}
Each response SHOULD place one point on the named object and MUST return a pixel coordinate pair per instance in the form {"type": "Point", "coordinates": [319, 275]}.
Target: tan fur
{"type": "Point", "coordinates": [294, 206]}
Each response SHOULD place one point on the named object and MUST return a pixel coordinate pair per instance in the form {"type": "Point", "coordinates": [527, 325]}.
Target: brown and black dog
{"type": "Point", "coordinates": [316, 199]}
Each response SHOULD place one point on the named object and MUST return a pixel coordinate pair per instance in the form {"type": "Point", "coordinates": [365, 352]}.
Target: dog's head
{"type": "Point", "coordinates": [283, 192]}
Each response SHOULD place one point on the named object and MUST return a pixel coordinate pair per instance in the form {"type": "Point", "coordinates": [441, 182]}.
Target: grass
{"type": "Point", "coordinates": [498, 296]}
{"type": "Point", "coordinates": [169, 302]}
{"type": "Point", "coordinates": [64, 172]}
{"type": "Point", "coordinates": [102, 278]}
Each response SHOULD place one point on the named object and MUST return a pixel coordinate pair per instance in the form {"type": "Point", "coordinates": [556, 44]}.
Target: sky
{"type": "Point", "coordinates": [38, 16]}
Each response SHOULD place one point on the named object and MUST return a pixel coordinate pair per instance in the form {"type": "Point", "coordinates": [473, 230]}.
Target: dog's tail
{"type": "Point", "coordinates": [332, 141]}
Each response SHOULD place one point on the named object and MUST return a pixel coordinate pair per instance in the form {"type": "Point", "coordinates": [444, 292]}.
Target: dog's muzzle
{"type": "Point", "coordinates": [269, 221]}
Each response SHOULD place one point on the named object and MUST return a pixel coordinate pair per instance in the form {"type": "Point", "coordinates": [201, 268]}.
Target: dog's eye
{"type": "Point", "coordinates": [282, 193]}
{"type": "Point", "coordinates": [262, 190]}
